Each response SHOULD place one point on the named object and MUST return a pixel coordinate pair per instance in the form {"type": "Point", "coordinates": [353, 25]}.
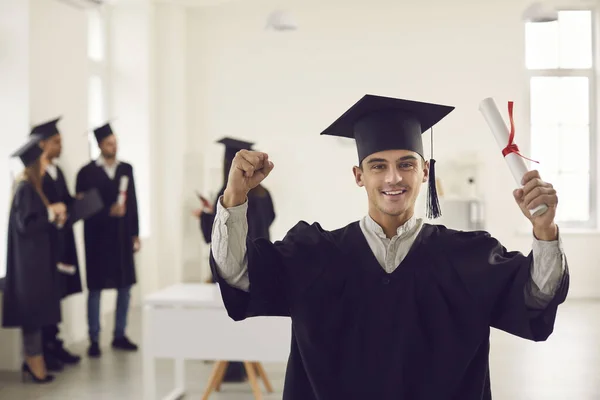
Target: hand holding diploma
{"type": "Point", "coordinates": [536, 198]}
{"type": "Point", "coordinates": [118, 209]}
{"type": "Point", "coordinates": [123, 183]}
{"type": "Point", "coordinates": [533, 193]}
{"type": "Point", "coordinates": [505, 139]}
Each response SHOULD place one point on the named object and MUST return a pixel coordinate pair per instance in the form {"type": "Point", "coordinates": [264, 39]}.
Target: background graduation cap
{"type": "Point", "coordinates": [384, 123]}
{"type": "Point", "coordinates": [30, 151]}
{"type": "Point", "coordinates": [232, 146]}
{"type": "Point", "coordinates": [103, 132]}
{"type": "Point", "coordinates": [47, 129]}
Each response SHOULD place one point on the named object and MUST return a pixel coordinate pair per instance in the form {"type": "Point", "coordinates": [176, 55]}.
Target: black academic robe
{"type": "Point", "coordinates": [64, 239]}
{"type": "Point", "coordinates": [31, 296]}
{"type": "Point", "coordinates": [109, 240]}
{"type": "Point", "coordinates": [419, 333]}
{"type": "Point", "coordinates": [260, 215]}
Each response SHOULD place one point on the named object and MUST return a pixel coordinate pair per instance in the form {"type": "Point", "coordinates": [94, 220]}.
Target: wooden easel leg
{"type": "Point", "coordinates": [252, 379]}
{"type": "Point", "coordinates": [213, 380]}
{"type": "Point", "coordinates": [263, 375]}
{"type": "Point", "coordinates": [221, 375]}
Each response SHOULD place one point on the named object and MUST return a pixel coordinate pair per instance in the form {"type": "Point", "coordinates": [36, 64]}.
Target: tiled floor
{"type": "Point", "coordinates": [567, 367]}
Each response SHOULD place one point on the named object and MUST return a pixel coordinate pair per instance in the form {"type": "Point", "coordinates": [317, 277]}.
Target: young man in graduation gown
{"type": "Point", "coordinates": [55, 188]}
{"type": "Point", "coordinates": [389, 307]}
{"type": "Point", "coordinates": [261, 215]}
{"type": "Point", "coordinates": [111, 238]}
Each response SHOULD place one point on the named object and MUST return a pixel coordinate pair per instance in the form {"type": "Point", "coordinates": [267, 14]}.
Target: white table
{"type": "Point", "coordinates": [189, 321]}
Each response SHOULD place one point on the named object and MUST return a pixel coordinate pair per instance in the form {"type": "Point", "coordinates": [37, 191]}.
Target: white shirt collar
{"type": "Point", "coordinates": [402, 230]}
{"type": "Point", "coordinates": [101, 162]}
{"type": "Point", "coordinates": [52, 171]}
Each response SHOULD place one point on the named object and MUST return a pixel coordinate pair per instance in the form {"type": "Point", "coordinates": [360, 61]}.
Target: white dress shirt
{"type": "Point", "coordinates": [111, 170]}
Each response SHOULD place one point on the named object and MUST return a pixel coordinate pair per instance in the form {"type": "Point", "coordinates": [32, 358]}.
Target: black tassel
{"type": "Point", "coordinates": [433, 204]}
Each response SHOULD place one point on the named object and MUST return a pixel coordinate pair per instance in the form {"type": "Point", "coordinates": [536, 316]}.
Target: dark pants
{"type": "Point", "coordinates": [123, 297]}
{"type": "Point", "coordinates": [32, 342]}
{"type": "Point", "coordinates": [50, 334]}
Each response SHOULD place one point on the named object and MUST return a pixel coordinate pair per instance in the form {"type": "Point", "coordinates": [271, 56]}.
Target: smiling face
{"type": "Point", "coordinates": [392, 179]}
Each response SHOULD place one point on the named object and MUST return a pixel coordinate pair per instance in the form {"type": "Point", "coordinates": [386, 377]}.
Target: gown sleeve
{"type": "Point", "coordinates": [499, 280]}
{"type": "Point", "coordinates": [30, 218]}
{"type": "Point", "coordinates": [276, 272]}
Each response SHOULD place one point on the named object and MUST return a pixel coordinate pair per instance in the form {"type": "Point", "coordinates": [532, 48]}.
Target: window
{"type": "Point", "coordinates": [98, 80]}
{"type": "Point", "coordinates": [562, 84]}
{"type": "Point", "coordinates": [101, 89]}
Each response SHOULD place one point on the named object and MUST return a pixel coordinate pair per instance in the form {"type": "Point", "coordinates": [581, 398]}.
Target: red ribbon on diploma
{"type": "Point", "coordinates": [512, 147]}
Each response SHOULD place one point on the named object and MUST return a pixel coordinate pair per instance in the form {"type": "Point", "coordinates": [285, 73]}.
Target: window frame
{"type": "Point", "coordinates": [100, 69]}
{"type": "Point", "coordinates": [591, 73]}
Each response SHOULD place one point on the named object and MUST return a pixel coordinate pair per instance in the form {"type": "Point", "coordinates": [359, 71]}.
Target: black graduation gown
{"type": "Point", "coordinates": [419, 333]}
{"type": "Point", "coordinates": [64, 239]}
{"type": "Point", "coordinates": [109, 240]}
{"type": "Point", "coordinates": [31, 297]}
{"type": "Point", "coordinates": [261, 215]}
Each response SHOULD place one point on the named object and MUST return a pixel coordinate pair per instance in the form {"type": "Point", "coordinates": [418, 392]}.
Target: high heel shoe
{"type": "Point", "coordinates": [27, 372]}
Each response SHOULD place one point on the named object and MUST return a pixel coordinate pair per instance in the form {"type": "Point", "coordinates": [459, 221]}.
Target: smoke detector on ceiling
{"type": "Point", "coordinates": [540, 12]}
{"type": "Point", "coordinates": [280, 20]}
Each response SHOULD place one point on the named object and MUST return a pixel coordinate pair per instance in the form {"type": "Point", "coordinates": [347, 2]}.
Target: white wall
{"type": "Point", "coordinates": [14, 114]}
{"type": "Point", "coordinates": [170, 33]}
{"type": "Point", "coordinates": [283, 89]}
{"type": "Point", "coordinates": [131, 91]}
{"type": "Point", "coordinates": [14, 99]}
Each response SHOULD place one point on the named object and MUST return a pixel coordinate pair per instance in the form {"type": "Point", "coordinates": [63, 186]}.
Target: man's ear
{"type": "Point", "coordinates": [425, 171]}
{"type": "Point", "coordinates": [358, 175]}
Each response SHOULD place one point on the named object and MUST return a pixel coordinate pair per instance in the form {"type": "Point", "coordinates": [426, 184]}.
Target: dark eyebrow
{"type": "Point", "coordinates": [376, 160]}
{"type": "Point", "coordinates": [408, 158]}
{"type": "Point", "coordinates": [381, 160]}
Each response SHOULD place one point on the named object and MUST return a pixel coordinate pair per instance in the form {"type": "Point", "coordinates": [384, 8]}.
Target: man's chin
{"type": "Point", "coordinates": [393, 212]}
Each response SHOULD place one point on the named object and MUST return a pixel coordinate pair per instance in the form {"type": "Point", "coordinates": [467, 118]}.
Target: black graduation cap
{"type": "Point", "coordinates": [30, 151]}
{"type": "Point", "coordinates": [103, 132]}
{"type": "Point", "coordinates": [232, 146]}
{"type": "Point", "coordinates": [46, 129]}
{"type": "Point", "coordinates": [384, 123]}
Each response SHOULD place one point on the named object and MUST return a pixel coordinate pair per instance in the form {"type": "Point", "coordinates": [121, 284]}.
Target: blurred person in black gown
{"type": "Point", "coordinates": [261, 215]}
{"type": "Point", "coordinates": [31, 298]}
{"type": "Point", "coordinates": [55, 188]}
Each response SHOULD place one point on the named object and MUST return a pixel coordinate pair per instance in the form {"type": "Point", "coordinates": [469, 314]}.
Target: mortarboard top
{"type": "Point", "coordinates": [87, 206]}
{"type": "Point", "coordinates": [103, 132]}
{"type": "Point", "coordinates": [384, 123]}
{"type": "Point", "coordinates": [46, 129]}
{"type": "Point", "coordinates": [232, 146]}
{"type": "Point", "coordinates": [30, 151]}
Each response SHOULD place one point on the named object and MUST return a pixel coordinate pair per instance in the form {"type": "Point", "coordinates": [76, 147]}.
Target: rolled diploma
{"type": "Point", "coordinates": [516, 164]}
{"type": "Point", "coordinates": [122, 190]}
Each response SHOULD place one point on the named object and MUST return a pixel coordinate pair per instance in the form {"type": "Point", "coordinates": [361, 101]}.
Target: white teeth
{"type": "Point", "coordinates": [394, 193]}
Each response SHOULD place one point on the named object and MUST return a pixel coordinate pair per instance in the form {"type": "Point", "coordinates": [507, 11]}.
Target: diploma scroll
{"type": "Point", "coordinates": [515, 161]}
{"type": "Point", "coordinates": [123, 190]}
